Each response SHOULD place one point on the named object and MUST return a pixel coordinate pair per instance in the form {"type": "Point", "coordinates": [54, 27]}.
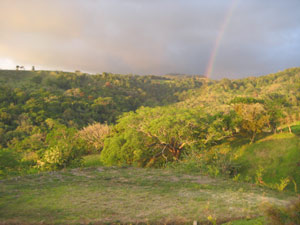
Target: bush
{"type": "Point", "coordinates": [289, 215]}
{"type": "Point", "coordinates": [65, 148]}
{"type": "Point", "coordinates": [189, 164]}
{"type": "Point", "coordinates": [126, 149]}
{"type": "Point", "coordinates": [60, 156]}
{"type": "Point", "coordinates": [215, 161]}
{"type": "Point", "coordinates": [92, 161]}
{"type": "Point", "coordinates": [9, 161]}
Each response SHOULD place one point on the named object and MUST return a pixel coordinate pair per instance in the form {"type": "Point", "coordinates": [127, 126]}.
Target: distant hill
{"type": "Point", "coordinates": [183, 75]}
{"type": "Point", "coordinates": [78, 99]}
{"type": "Point", "coordinates": [217, 94]}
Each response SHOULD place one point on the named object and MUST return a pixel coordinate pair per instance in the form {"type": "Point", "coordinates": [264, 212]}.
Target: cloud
{"type": "Point", "coordinates": [151, 37]}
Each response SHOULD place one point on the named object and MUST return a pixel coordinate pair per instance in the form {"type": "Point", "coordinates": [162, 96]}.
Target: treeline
{"type": "Point", "coordinates": [77, 100]}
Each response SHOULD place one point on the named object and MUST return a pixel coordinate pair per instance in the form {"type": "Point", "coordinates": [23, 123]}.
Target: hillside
{"type": "Point", "coordinates": [178, 115]}
{"type": "Point", "coordinates": [78, 99]}
{"type": "Point", "coordinates": [84, 98]}
{"type": "Point", "coordinates": [205, 138]}
{"type": "Point", "coordinates": [215, 95]}
{"type": "Point", "coordinates": [277, 156]}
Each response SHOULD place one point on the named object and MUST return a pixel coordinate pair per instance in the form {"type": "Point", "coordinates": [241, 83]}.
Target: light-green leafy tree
{"type": "Point", "coordinates": [254, 118]}
{"type": "Point", "coordinates": [153, 136]}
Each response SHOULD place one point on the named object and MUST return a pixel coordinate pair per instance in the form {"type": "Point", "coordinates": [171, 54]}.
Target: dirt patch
{"type": "Point", "coordinates": [204, 180]}
{"type": "Point", "coordinates": [199, 179]}
{"type": "Point", "coordinates": [81, 173]}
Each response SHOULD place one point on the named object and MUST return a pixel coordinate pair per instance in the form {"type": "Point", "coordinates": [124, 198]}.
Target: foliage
{"type": "Point", "coordinates": [152, 137]}
{"type": "Point", "coordinates": [254, 118]}
{"type": "Point", "coordinates": [289, 215]}
{"type": "Point", "coordinates": [64, 148]}
{"type": "Point", "coordinates": [91, 161]}
{"type": "Point", "coordinates": [94, 136]}
{"type": "Point", "coordinates": [190, 163]}
{"type": "Point", "coordinates": [9, 161]}
{"type": "Point", "coordinates": [219, 160]}
{"type": "Point", "coordinates": [41, 113]}
{"type": "Point", "coordinates": [246, 100]}
{"type": "Point", "coordinates": [214, 161]}
{"type": "Point", "coordinates": [28, 99]}
{"type": "Point", "coordinates": [275, 105]}
{"type": "Point", "coordinates": [82, 99]}
{"type": "Point", "coordinates": [283, 183]}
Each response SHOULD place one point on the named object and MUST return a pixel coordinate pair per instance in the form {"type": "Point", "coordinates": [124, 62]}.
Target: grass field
{"type": "Point", "coordinates": [102, 195]}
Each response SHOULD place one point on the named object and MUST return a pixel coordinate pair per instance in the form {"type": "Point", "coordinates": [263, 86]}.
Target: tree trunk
{"type": "Point", "coordinates": [151, 162]}
{"type": "Point", "coordinates": [290, 130]}
{"type": "Point", "coordinates": [177, 154]}
{"type": "Point", "coordinates": [253, 138]}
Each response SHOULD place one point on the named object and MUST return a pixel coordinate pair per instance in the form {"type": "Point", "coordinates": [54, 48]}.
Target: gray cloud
{"type": "Point", "coordinates": [151, 37]}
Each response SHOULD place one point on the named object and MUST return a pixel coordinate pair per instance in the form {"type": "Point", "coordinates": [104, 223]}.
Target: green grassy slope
{"type": "Point", "coordinates": [275, 157]}
{"type": "Point", "coordinates": [129, 195]}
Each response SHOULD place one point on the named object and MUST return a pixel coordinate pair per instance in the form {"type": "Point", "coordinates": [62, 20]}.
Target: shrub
{"type": "Point", "coordinates": [64, 148]}
{"type": "Point", "coordinates": [289, 215]}
{"type": "Point", "coordinates": [9, 161]}
{"type": "Point", "coordinates": [191, 163]}
{"type": "Point", "coordinates": [60, 156]}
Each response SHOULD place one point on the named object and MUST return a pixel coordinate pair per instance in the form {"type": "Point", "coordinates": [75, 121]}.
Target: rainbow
{"type": "Point", "coordinates": [212, 58]}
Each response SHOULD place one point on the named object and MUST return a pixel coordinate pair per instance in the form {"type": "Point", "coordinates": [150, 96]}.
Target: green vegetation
{"type": "Point", "coordinates": [129, 195]}
{"type": "Point", "coordinates": [276, 157]}
{"type": "Point", "coordinates": [245, 130]}
{"type": "Point", "coordinates": [284, 214]}
{"type": "Point", "coordinates": [257, 221]}
{"type": "Point", "coordinates": [92, 161]}
{"type": "Point", "coordinates": [31, 100]}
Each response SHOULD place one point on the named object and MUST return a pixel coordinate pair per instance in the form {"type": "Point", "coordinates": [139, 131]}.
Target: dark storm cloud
{"type": "Point", "coordinates": [151, 36]}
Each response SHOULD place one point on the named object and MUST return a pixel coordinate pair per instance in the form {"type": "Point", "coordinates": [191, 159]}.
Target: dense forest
{"type": "Point", "coordinates": [50, 120]}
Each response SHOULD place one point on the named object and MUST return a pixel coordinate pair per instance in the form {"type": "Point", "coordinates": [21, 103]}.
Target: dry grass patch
{"type": "Point", "coordinates": [128, 195]}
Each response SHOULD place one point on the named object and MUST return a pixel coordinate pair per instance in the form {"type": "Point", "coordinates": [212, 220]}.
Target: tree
{"type": "Point", "coordinates": [152, 136]}
{"type": "Point", "coordinates": [274, 105]}
{"type": "Point", "coordinates": [254, 118]}
{"type": "Point", "coordinates": [94, 135]}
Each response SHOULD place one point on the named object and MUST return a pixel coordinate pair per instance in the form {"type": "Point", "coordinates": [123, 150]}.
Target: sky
{"type": "Point", "coordinates": [216, 38]}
